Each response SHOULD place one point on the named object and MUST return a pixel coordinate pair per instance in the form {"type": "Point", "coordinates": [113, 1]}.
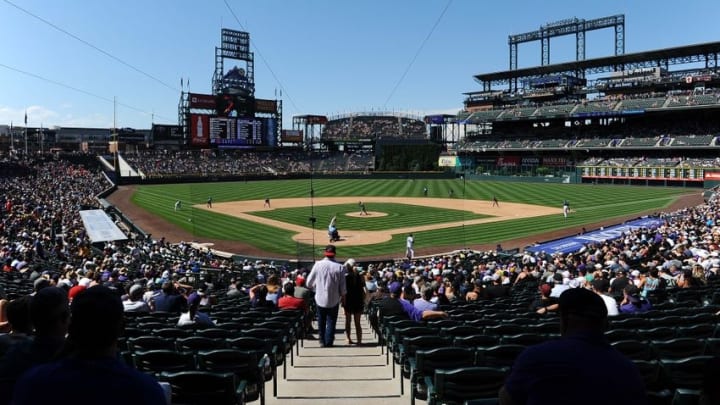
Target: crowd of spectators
{"type": "Point", "coordinates": [240, 163]}
{"type": "Point", "coordinates": [374, 126]}
{"type": "Point", "coordinates": [568, 106]}
{"type": "Point", "coordinates": [679, 162]}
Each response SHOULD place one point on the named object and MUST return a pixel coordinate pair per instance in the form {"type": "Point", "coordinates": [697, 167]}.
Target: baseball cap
{"type": "Point", "coordinates": [395, 287]}
{"type": "Point", "coordinates": [330, 251]}
{"type": "Point", "coordinates": [545, 289]}
{"type": "Point", "coordinates": [194, 300]}
{"type": "Point", "coordinates": [582, 303]}
{"type": "Point", "coordinates": [75, 291]}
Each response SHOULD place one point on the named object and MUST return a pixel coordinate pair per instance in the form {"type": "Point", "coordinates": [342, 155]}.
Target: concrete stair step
{"type": "Point", "coordinates": [339, 375]}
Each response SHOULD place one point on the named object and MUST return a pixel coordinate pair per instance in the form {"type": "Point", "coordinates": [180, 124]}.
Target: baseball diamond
{"type": "Point", "coordinates": [528, 212]}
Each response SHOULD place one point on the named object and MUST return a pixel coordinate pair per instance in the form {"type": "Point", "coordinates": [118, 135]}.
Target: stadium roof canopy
{"type": "Point", "coordinates": [708, 52]}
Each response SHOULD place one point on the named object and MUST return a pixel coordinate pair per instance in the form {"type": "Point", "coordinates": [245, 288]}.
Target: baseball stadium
{"type": "Point", "coordinates": [597, 173]}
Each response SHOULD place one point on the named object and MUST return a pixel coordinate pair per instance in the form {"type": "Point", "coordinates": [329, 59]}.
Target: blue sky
{"type": "Point", "coordinates": [329, 57]}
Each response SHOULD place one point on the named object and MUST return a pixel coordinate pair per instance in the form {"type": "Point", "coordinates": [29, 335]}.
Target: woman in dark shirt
{"type": "Point", "coordinates": [354, 300]}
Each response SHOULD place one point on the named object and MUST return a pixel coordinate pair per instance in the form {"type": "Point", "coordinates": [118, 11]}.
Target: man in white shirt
{"type": "Point", "coordinates": [327, 279]}
{"type": "Point", "coordinates": [600, 287]}
{"type": "Point", "coordinates": [409, 252]}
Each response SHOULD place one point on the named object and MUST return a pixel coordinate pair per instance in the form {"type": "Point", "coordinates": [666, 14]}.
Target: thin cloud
{"type": "Point", "coordinates": [40, 115]}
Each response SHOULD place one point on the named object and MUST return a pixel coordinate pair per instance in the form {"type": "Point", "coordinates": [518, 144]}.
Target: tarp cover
{"type": "Point", "coordinates": [100, 227]}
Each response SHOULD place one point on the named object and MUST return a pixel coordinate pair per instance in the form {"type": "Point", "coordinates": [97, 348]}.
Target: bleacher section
{"type": "Point", "coordinates": [550, 111]}
{"type": "Point", "coordinates": [517, 113]}
{"type": "Point", "coordinates": [641, 103]}
{"type": "Point", "coordinates": [691, 100]}
{"type": "Point", "coordinates": [693, 140]}
{"type": "Point", "coordinates": [640, 142]}
{"type": "Point", "coordinates": [595, 107]}
{"type": "Point", "coordinates": [373, 126]}
{"type": "Point", "coordinates": [483, 116]}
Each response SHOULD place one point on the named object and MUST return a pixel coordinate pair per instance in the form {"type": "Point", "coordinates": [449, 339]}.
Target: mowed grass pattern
{"type": "Point", "coordinates": [399, 216]}
{"type": "Point", "coordinates": [590, 203]}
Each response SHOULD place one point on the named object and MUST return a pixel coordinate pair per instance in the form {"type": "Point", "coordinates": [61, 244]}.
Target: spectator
{"type": "Point", "coordinates": [545, 303]}
{"type": "Point", "coordinates": [50, 316]}
{"type": "Point", "coordinates": [399, 303]}
{"type": "Point", "coordinates": [19, 323]}
{"type": "Point", "coordinates": [308, 296]}
{"type": "Point", "coordinates": [193, 316]}
{"type": "Point", "coordinates": [581, 354]}
{"type": "Point", "coordinates": [274, 289]}
{"type": "Point", "coordinates": [496, 289]}
{"type": "Point", "coordinates": [354, 302]}
{"type": "Point", "coordinates": [559, 285]}
{"type": "Point", "coordinates": [618, 284]}
{"type": "Point", "coordinates": [233, 290]}
{"type": "Point", "coordinates": [632, 302]}
{"type": "Point", "coordinates": [290, 301]}
{"type": "Point", "coordinates": [258, 298]}
{"type": "Point", "coordinates": [90, 358]}
{"type": "Point", "coordinates": [327, 279]}
{"type": "Point", "coordinates": [424, 303]}
{"type": "Point", "coordinates": [600, 286]}
{"type": "Point", "coordinates": [476, 293]}
{"type": "Point", "coordinates": [170, 299]}
{"type": "Point", "coordinates": [134, 301]}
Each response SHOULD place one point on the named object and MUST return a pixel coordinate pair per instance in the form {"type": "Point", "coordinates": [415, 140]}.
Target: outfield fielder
{"type": "Point", "coordinates": [178, 205]}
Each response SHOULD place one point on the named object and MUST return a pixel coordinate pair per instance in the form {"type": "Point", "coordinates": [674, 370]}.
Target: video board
{"type": "Point", "coordinates": [231, 132]}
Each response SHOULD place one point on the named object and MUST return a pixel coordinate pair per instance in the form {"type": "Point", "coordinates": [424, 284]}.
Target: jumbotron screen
{"type": "Point", "coordinates": [231, 132]}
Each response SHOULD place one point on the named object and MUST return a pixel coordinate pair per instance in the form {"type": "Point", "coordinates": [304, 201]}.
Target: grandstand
{"type": "Point", "coordinates": [641, 106]}
{"type": "Point", "coordinates": [373, 125]}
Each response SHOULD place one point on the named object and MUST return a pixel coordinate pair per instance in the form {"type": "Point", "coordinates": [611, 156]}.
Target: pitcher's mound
{"type": "Point", "coordinates": [369, 215]}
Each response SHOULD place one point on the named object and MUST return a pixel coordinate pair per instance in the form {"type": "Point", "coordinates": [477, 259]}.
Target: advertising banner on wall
{"type": "Point", "coordinates": [448, 161]}
{"type": "Point", "coordinates": [199, 130]}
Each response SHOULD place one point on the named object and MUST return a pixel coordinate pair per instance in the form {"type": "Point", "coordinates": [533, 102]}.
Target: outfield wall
{"type": "Point", "coordinates": [290, 176]}
{"type": "Point", "coordinates": [571, 178]}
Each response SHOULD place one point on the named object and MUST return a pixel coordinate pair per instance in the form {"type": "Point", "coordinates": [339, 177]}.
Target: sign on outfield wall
{"type": "Point", "coordinates": [554, 161]}
{"type": "Point", "coordinates": [448, 161]}
{"type": "Point", "coordinates": [508, 161]}
{"type": "Point", "coordinates": [530, 161]}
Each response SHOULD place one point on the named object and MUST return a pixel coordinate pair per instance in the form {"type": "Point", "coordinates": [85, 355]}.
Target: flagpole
{"type": "Point", "coordinates": [26, 148]}
{"type": "Point", "coordinates": [12, 137]}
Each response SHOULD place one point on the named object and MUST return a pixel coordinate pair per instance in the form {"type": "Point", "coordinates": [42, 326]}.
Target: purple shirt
{"type": "Point", "coordinates": [574, 359]}
{"type": "Point", "coordinates": [631, 308]}
{"type": "Point", "coordinates": [423, 305]}
{"type": "Point", "coordinates": [414, 313]}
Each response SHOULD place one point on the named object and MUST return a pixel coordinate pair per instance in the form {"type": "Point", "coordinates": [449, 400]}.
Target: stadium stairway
{"type": "Point", "coordinates": [343, 374]}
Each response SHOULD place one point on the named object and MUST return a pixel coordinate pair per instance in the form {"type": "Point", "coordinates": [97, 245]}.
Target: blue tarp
{"type": "Point", "coordinates": [575, 243]}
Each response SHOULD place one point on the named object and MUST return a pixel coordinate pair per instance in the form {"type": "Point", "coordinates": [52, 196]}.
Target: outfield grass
{"type": "Point", "coordinates": [591, 203]}
{"type": "Point", "coordinates": [399, 216]}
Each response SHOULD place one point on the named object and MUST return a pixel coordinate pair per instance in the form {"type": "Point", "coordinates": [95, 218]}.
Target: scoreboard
{"type": "Point", "coordinates": [235, 131]}
{"type": "Point", "coordinates": [232, 132]}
